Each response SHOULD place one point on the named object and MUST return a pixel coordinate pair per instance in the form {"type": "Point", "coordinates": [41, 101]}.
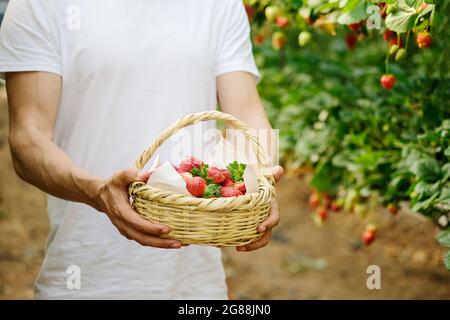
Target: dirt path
{"type": "Point", "coordinates": [302, 262]}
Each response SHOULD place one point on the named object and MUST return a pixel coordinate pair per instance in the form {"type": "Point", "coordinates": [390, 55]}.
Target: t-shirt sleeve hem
{"type": "Point", "coordinates": [231, 67]}
{"type": "Point", "coordinates": [4, 68]}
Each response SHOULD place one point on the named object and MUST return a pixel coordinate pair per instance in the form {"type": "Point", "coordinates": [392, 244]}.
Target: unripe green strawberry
{"type": "Point", "coordinates": [304, 38]}
{"type": "Point", "coordinates": [400, 55]}
{"type": "Point", "coordinates": [272, 12]}
{"type": "Point", "coordinates": [392, 8]}
{"type": "Point", "coordinates": [393, 50]}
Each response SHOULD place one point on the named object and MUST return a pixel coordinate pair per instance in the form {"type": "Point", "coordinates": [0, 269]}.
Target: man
{"type": "Point", "coordinates": [89, 84]}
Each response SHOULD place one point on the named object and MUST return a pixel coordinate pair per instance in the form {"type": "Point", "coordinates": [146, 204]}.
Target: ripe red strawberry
{"type": "Point", "coordinates": [228, 183]}
{"type": "Point", "coordinates": [322, 213]}
{"type": "Point", "coordinates": [368, 237]}
{"type": "Point", "coordinates": [227, 192]}
{"type": "Point", "coordinates": [335, 206]}
{"type": "Point", "coordinates": [226, 173]}
{"type": "Point", "coordinates": [314, 200]}
{"type": "Point", "coordinates": [196, 186]}
{"type": "Point", "coordinates": [351, 39]}
{"type": "Point", "coordinates": [250, 11]}
{"type": "Point", "coordinates": [424, 40]}
{"type": "Point", "coordinates": [186, 176]}
{"type": "Point", "coordinates": [282, 21]}
{"type": "Point", "coordinates": [241, 187]}
{"type": "Point", "coordinates": [259, 39]}
{"type": "Point", "coordinates": [388, 81]}
{"type": "Point", "coordinates": [392, 208]}
{"type": "Point", "coordinates": [395, 41]}
{"type": "Point", "coordinates": [189, 163]}
{"type": "Point", "coordinates": [388, 35]}
{"type": "Point", "coordinates": [216, 175]}
{"type": "Point", "coordinates": [356, 26]}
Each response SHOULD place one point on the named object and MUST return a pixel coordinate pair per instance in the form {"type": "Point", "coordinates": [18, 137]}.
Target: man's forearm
{"type": "Point", "coordinates": [38, 161]}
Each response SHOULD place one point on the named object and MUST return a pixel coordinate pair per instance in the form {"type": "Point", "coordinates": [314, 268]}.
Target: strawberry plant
{"type": "Point", "coordinates": [360, 91]}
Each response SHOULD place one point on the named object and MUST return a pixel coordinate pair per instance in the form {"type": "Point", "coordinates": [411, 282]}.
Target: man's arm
{"type": "Point", "coordinates": [239, 97]}
{"type": "Point", "coordinates": [33, 99]}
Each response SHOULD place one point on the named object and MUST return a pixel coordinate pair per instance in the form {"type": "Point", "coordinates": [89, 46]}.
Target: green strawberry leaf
{"type": "Point", "coordinates": [443, 238]}
{"type": "Point", "coordinates": [357, 11]}
{"type": "Point", "coordinates": [447, 260]}
{"type": "Point", "coordinates": [212, 190]}
{"type": "Point", "coordinates": [202, 172]}
{"type": "Point", "coordinates": [426, 170]}
{"type": "Point", "coordinates": [236, 171]}
{"type": "Point", "coordinates": [402, 20]}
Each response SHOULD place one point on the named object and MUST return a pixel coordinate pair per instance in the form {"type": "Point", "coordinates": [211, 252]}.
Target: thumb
{"type": "Point", "coordinates": [127, 176]}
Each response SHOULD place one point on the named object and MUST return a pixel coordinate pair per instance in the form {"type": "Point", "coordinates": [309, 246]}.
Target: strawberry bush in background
{"type": "Point", "coordinates": [360, 90]}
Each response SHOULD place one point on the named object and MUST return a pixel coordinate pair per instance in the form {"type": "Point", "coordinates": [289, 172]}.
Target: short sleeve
{"type": "Point", "coordinates": [25, 39]}
{"type": "Point", "coordinates": [235, 47]}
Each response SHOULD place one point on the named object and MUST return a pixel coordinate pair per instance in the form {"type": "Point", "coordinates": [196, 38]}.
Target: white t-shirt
{"type": "Point", "coordinates": [129, 69]}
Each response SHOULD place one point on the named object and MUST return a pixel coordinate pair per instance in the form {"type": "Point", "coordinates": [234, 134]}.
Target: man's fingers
{"type": "Point", "coordinates": [257, 244]}
{"type": "Point", "coordinates": [145, 239]}
{"type": "Point", "coordinates": [127, 176]}
{"type": "Point", "coordinates": [272, 220]}
{"type": "Point", "coordinates": [132, 219]}
{"type": "Point", "coordinates": [278, 172]}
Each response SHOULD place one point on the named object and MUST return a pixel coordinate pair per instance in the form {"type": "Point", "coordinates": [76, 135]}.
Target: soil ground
{"type": "Point", "coordinates": [302, 261]}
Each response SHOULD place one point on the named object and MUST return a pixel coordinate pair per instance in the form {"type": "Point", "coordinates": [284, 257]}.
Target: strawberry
{"type": "Point", "coordinates": [424, 40]}
{"type": "Point", "coordinates": [272, 12]}
{"type": "Point", "coordinates": [228, 183]}
{"type": "Point", "coordinates": [259, 39]}
{"type": "Point", "coordinates": [282, 21]}
{"type": "Point", "coordinates": [186, 176]}
{"type": "Point", "coordinates": [356, 26]}
{"type": "Point", "coordinates": [250, 11]}
{"type": "Point", "coordinates": [335, 206]}
{"type": "Point", "coordinates": [388, 35]}
{"type": "Point", "coordinates": [279, 40]}
{"type": "Point", "coordinates": [322, 213]}
{"type": "Point", "coordinates": [368, 237]}
{"type": "Point", "coordinates": [396, 41]}
{"type": "Point", "coordinates": [189, 163]}
{"type": "Point", "coordinates": [196, 186]}
{"type": "Point", "coordinates": [226, 173]}
{"type": "Point", "coordinates": [314, 200]}
{"type": "Point", "coordinates": [304, 38]}
{"type": "Point", "coordinates": [351, 39]}
{"type": "Point", "coordinates": [230, 192]}
{"type": "Point", "coordinates": [392, 208]}
{"type": "Point", "coordinates": [388, 81]}
{"type": "Point", "coordinates": [241, 187]}
{"type": "Point", "coordinates": [216, 175]}
{"type": "Point", "coordinates": [400, 55]}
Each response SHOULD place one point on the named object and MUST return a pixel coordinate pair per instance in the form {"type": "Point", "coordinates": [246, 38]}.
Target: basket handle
{"type": "Point", "coordinates": [199, 117]}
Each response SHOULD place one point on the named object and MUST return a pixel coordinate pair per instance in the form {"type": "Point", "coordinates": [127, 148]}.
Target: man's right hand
{"type": "Point", "coordinates": [112, 198]}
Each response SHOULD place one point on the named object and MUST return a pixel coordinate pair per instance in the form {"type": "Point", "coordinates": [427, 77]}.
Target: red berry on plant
{"type": "Point", "coordinates": [424, 40]}
{"type": "Point", "coordinates": [392, 208]}
{"type": "Point", "coordinates": [395, 41]}
{"type": "Point", "coordinates": [351, 39]}
{"type": "Point", "coordinates": [282, 21]}
{"type": "Point", "coordinates": [388, 81]}
{"type": "Point", "coordinates": [388, 35]}
{"type": "Point", "coordinates": [368, 237]}
{"type": "Point", "coordinates": [314, 200]}
{"type": "Point", "coordinates": [356, 26]}
{"type": "Point", "coordinates": [322, 213]}
{"type": "Point", "coordinates": [335, 206]}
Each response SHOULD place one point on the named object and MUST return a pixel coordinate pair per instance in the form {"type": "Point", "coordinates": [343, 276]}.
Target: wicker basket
{"type": "Point", "coordinates": [213, 221]}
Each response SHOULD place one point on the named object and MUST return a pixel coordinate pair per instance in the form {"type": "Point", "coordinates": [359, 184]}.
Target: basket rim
{"type": "Point", "coordinates": [144, 187]}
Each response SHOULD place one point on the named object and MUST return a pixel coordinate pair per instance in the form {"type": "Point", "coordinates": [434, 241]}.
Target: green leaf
{"type": "Point", "coordinates": [356, 14]}
{"type": "Point", "coordinates": [402, 20]}
{"type": "Point", "coordinates": [447, 152]}
{"type": "Point", "coordinates": [447, 260]}
{"type": "Point", "coordinates": [202, 172]}
{"type": "Point", "coordinates": [426, 170]}
{"type": "Point", "coordinates": [212, 191]}
{"type": "Point", "coordinates": [443, 238]}
{"type": "Point", "coordinates": [236, 170]}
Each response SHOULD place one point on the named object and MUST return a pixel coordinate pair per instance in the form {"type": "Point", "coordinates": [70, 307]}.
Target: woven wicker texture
{"type": "Point", "coordinates": [214, 221]}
